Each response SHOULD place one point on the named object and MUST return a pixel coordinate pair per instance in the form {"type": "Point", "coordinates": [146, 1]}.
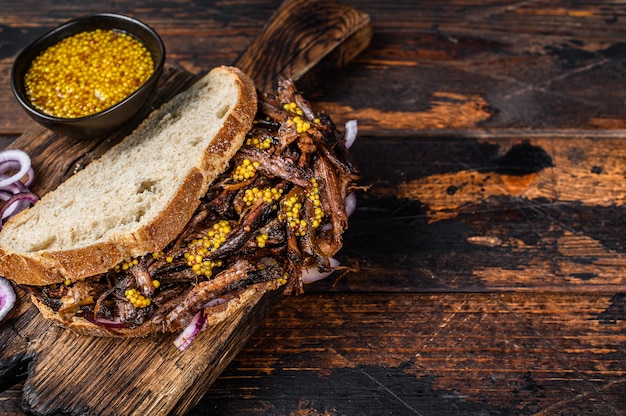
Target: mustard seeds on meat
{"type": "Point", "coordinates": [87, 73]}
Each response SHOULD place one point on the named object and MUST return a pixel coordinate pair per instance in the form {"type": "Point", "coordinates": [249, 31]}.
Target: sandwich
{"type": "Point", "coordinates": [220, 193]}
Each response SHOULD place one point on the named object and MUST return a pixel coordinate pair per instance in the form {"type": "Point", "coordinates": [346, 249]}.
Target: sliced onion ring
{"type": "Point", "coordinates": [351, 132]}
{"type": "Point", "coordinates": [14, 188]}
{"type": "Point", "coordinates": [350, 203]}
{"type": "Point", "coordinates": [12, 165]}
{"type": "Point", "coordinates": [311, 274]}
{"type": "Point", "coordinates": [10, 157]}
{"type": "Point", "coordinates": [16, 203]}
{"type": "Point", "coordinates": [215, 302]}
{"type": "Point", "coordinates": [7, 211]}
{"type": "Point", "coordinates": [189, 334]}
{"type": "Point", "coordinates": [107, 323]}
{"type": "Point", "coordinates": [7, 297]}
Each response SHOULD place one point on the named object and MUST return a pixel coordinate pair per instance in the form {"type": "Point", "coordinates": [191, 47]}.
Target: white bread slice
{"type": "Point", "coordinates": [140, 194]}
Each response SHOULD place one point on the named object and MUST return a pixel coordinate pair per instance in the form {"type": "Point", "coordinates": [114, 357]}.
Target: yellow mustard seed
{"type": "Point", "coordinates": [293, 107]}
{"type": "Point", "coordinates": [260, 143]}
{"type": "Point", "coordinates": [282, 280]}
{"type": "Point", "coordinates": [245, 170]}
{"type": "Point", "coordinates": [268, 195]}
{"type": "Point", "coordinates": [291, 214]}
{"type": "Point", "coordinates": [199, 248]}
{"type": "Point", "coordinates": [261, 240]}
{"type": "Point", "coordinates": [125, 265]}
{"type": "Point", "coordinates": [292, 211]}
{"type": "Point", "coordinates": [159, 254]}
{"type": "Point", "coordinates": [302, 126]}
{"type": "Point", "coordinates": [136, 299]}
{"type": "Point", "coordinates": [87, 73]}
{"type": "Point", "coordinates": [313, 194]}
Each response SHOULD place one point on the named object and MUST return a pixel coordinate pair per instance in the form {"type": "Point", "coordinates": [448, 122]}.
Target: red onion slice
{"type": "Point", "coordinates": [311, 274]}
{"type": "Point", "coordinates": [215, 302]}
{"type": "Point", "coordinates": [13, 165]}
{"type": "Point", "coordinates": [17, 203]}
{"type": "Point", "coordinates": [10, 157]}
{"type": "Point", "coordinates": [14, 203]}
{"type": "Point", "coordinates": [7, 297]}
{"type": "Point", "coordinates": [5, 196]}
{"type": "Point", "coordinates": [350, 203]}
{"type": "Point", "coordinates": [351, 132]}
{"type": "Point", "coordinates": [107, 323]}
{"type": "Point", "coordinates": [7, 165]}
{"type": "Point", "coordinates": [30, 176]}
{"type": "Point", "coordinates": [14, 189]}
{"type": "Point", "coordinates": [189, 334]}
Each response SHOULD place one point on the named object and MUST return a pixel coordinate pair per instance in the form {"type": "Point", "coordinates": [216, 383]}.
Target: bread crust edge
{"type": "Point", "coordinates": [214, 316]}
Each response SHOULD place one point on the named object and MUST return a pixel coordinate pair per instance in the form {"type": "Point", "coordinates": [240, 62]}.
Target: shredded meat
{"type": "Point", "coordinates": [142, 277]}
{"type": "Point", "coordinates": [78, 294]}
{"type": "Point", "coordinates": [198, 295]}
{"type": "Point", "coordinates": [277, 166]}
{"type": "Point", "coordinates": [285, 214]}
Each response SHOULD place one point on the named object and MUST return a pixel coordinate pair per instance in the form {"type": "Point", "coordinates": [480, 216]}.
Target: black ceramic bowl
{"type": "Point", "coordinates": [106, 121]}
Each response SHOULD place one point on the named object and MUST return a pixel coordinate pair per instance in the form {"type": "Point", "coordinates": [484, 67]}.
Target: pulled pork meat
{"type": "Point", "coordinates": [277, 209]}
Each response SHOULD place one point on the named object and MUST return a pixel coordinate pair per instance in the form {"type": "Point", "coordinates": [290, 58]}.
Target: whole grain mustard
{"type": "Point", "coordinates": [87, 73]}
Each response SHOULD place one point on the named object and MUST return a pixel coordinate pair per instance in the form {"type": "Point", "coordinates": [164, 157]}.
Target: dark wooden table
{"type": "Point", "coordinates": [487, 261]}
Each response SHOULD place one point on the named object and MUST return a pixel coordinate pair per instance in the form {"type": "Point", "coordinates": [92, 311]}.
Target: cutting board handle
{"type": "Point", "coordinates": [304, 37]}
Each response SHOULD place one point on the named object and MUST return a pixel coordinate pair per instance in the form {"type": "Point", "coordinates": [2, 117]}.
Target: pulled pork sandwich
{"type": "Point", "coordinates": [271, 219]}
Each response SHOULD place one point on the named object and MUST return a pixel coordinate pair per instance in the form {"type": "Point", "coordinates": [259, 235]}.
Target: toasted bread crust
{"type": "Point", "coordinates": [214, 316]}
{"type": "Point", "coordinates": [43, 267]}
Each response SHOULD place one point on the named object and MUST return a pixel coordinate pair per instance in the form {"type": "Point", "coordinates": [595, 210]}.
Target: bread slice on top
{"type": "Point", "coordinates": [140, 194]}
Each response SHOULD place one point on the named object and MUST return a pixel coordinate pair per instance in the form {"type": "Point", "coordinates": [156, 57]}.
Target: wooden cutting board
{"type": "Point", "coordinates": [78, 375]}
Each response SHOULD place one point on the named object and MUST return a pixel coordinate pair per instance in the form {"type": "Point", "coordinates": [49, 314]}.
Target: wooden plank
{"type": "Point", "coordinates": [296, 46]}
{"type": "Point", "coordinates": [71, 374]}
{"type": "Point", "coordinates": [453, 353]}
{"type": "Point", "coordinates": [497, 65]}
{"type": "Point", "coordinates": [370, 354]}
